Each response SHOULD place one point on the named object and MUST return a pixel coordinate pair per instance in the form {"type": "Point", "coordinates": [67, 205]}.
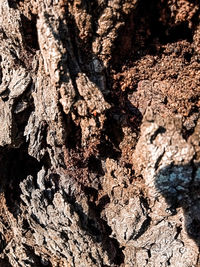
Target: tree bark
{"type": "Point", "coordinates": [100, 133]}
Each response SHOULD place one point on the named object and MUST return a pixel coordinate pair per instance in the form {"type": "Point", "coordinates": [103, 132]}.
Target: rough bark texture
{"type": "Point", "coordinates": [100, 133]}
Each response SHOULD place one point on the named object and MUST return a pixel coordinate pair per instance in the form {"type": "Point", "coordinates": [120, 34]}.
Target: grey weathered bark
{"type": "Point", "coordinates": [100, 133]}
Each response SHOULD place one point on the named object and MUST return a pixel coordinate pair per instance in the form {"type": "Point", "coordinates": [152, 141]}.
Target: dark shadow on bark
{"type": "Point", "coordinates": [12, 3]}
{"type": "Point", "coordinates": [15, 165]}
{"type": "Point", "coordinates": [180, 186]}
{"type": "Point", "coordinates": [29, 32]}
{"type": "Point", "coordinates": [34, 260]}
{"type": "Point", "coordinates": [2, 243]}
{"type": "Point", "coordinates": [5, 262]}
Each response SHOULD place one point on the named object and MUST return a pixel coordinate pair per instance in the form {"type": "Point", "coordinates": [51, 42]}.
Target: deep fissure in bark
{"type": "Point", "coordinates": [16, 164]}
{"type": "Point", "coordinates": [29, 31]}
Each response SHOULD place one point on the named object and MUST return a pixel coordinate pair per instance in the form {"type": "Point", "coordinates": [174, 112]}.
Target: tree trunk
{"type": "Point", "coordinates": [100, 133]}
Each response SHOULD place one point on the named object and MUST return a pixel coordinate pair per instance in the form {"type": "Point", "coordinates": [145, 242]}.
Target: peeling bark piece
{"type": "Point", "coordinates": [129, 221]}
{"type": "Point", "coordinates": [91, 94]}
{"type": "Point", "coordinates": [68, 94]}
{"type": "Point", "coordinates": [6, 124]}
{"type": "Point", "coordinates": [19, 83]}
